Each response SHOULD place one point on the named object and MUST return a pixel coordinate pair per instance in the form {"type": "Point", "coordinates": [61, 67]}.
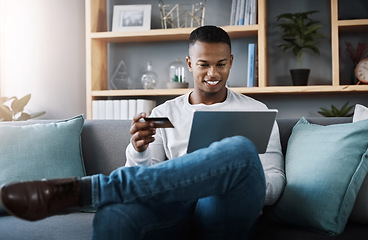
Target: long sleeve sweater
{"type": "Point", "coordinates": [172, 142]}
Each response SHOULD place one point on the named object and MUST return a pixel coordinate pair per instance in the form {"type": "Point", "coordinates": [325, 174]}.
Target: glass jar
{"type": "Point", "coordinates": [149, 78]}
{"type": "Point", "coordinates": [177, 69]}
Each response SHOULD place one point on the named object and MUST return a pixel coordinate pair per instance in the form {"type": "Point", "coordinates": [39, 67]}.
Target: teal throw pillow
{"type": "Point", "coordinates": [325, 167]}
{"type": "Point", "coordinates": [33, 152]}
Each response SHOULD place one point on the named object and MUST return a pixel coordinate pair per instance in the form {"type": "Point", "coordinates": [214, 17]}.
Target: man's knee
{"type": "Point", "coordinates": [241, 146]}
{"type": "Point", "coordinates": [243, 142]}
{"type": "Point", "coordinates": [111, 221]}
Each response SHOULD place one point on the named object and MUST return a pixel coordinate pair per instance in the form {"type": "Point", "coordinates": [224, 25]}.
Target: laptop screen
{"type": "Point", "coordinates": [212, 126]}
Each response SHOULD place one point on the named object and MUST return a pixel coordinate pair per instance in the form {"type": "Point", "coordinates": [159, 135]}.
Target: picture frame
{"type": "Point", "coordinates": [127, 18]}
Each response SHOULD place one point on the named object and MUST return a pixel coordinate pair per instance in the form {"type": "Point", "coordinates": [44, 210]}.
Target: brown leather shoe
{"type": "Point", "coordinates": [36, 200]}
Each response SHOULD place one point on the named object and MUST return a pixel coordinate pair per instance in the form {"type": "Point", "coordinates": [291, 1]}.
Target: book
{"type": "Point", "coordinates": [256, 68]}
{"type": "Point", "coordinates": [94, 109]}
{"type": "Point", "coordinates": [109, 108]}
{"type": "Point", "coordinates": [237, 12]}
{"type": "Point", "coordinates": [253, 12]}
{"type": "Point", "coordinates": [233, 12]}
{"type": "Point", "coordinates": [251, 65]}
{"type": "Point", "coordinates": [247, 12]}
{"type": "Point", "coordinates": [101, 109]}
{"type": "Point", "coordinates": [132, 108]}
{"type": "Point", "coordinates": [241, 12]}
{"type": "Point", "coordinates": [124, 109]}
{"type": "Point", "coordinates": [116, 106]}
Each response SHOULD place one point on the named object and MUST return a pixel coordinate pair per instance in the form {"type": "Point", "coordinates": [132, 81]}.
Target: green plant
{"type": "Point", "coordinates": [176, 78]}
{"type": "Point", "coordinates": [300, 33]}
{"type": "Point", "coordinates": [344, 111]}
{"type": "Point", "coordinates": [12, 109]}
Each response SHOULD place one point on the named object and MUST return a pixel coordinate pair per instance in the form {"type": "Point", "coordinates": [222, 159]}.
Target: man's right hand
{"type": "Point", "coordinates": [142, 133]}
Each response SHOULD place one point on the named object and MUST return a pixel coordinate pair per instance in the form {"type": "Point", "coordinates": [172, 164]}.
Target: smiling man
{"type": "Point", "coordinates": [222, 215]}
{"type": "Point", "coordinates": [210, 64]}
{"type": "Point", "coordinates": [164, 193]}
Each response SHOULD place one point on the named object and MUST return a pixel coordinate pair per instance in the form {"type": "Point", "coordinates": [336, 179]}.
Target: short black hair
{"type": "Point", "coordinates": [209, 34]}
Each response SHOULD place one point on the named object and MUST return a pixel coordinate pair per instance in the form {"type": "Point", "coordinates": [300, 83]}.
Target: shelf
{"type": "Point", "coordinates": [353, 25]}
{"type": "Point", "coordinates": [306, 89]}
{"type": "Point", "coordinates": [255, 90]}
{"type": "Point", "coordinates": [175, 34]}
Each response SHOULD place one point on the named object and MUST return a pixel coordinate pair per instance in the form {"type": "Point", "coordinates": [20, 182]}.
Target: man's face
{"type": "Point", "coordinates": [210, 64]}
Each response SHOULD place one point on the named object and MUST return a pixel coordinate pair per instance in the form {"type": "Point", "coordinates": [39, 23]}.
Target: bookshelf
{"type": "Point", "coordinates": [98, 38]}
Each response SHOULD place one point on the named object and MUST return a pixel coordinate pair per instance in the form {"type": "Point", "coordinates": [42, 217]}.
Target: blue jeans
{"type": "Point", "coordinates": [216, 193]}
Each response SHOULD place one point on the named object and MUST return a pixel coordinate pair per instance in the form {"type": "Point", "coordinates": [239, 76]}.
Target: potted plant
{"type": "Point", "coordinates": [300, 33]}
{"type": "Point", "coordinates": [12, 109]}
{"type": "Point", "coordinates": [344, 111]}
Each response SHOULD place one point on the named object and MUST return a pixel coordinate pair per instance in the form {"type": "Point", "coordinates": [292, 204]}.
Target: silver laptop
{"type": "Point", "coordinates": [212, 126]}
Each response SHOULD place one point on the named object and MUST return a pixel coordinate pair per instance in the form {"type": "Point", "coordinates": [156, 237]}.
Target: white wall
{"type": "Point", "coordinates": [43, 53]}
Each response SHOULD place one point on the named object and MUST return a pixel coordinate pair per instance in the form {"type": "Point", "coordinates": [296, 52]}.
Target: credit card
{"type": "Point", "coordinates": [160, 122]}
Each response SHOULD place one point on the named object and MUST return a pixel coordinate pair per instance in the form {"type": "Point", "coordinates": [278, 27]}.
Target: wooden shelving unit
{"type": "Point", "coordinates": [97, 39]}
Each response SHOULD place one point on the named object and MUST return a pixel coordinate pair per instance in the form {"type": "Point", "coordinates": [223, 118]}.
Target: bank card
{"type": "Point", "coordinates": [160, 122]}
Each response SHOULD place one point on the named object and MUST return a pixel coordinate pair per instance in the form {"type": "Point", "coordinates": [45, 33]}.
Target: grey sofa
{"type": "Point", "coordinates": [104, 143]}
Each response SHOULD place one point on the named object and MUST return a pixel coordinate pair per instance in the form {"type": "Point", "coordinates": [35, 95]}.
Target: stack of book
{"type": "Point", "coordinates": [124, 109]}
{"type": "Point", "coordinates": [243, 12]}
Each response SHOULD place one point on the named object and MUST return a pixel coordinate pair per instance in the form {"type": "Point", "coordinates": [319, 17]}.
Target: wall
{"type": "Point", "coordinates": [43, 53]}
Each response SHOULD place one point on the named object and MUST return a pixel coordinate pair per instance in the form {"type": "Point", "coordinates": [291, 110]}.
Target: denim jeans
{"type": "Point", "coordinates": [216, 193]}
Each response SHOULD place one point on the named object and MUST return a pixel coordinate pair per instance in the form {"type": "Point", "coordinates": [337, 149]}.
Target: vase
{"type": "Point", "coordinates": [300, 76]}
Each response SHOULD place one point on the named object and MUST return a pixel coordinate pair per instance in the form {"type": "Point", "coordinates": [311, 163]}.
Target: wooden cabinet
{"type": "Point", "coordinates": [98, 37]}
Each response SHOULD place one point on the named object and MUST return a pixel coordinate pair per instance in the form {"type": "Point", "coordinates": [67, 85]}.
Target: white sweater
{"type": "Point", "coordinates": [172, 142]}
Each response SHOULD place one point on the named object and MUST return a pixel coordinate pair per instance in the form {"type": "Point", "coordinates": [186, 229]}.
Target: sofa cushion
{"type": "Point", "coordinates": [74, 226]}
{"type": "Point", "coordinates": [325, 167]}
{"type": "Point", "coordinates": [33, 152]}
{"type": "Point", "coordinates": [360, 210]}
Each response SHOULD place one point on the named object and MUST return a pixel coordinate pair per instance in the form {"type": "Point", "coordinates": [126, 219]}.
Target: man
{"type": "Point", "coordinates": [215, 193]}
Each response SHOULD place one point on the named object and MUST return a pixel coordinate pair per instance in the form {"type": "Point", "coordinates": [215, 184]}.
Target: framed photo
{"type": "Point", "coordinates": [128, 18]}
